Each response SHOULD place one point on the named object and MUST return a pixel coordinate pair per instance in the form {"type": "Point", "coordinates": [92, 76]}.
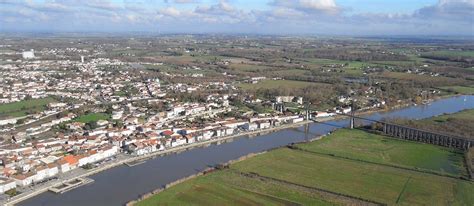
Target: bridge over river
{"type": "Point", "coordinates": [121, 184]}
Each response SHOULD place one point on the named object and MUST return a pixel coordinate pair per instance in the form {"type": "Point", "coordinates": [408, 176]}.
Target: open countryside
{"type": "Point", "coordinates": [236, 102]}
{"type": "Point", "coordinates": [352, 163]}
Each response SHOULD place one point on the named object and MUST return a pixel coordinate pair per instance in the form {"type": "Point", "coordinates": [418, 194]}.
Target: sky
{"type": "Point", "coordinates": [280, 17]}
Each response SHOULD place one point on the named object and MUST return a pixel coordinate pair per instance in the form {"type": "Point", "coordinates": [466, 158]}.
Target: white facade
{"type": "Point", "coordinates": [296, 120]}
{"type": "Point", "coordinates": [250, 126]}
{"type": "Point", "coordinates": [28, 54]}
{"type": "Point", "coordinates": [6, 184]}
{"type": "Point", "coordinates": [64, 167]}
{"type": "Point", "coordinates": [264, 125]}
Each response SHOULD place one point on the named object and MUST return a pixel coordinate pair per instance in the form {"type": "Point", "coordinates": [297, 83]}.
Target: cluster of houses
{"type": "Point", "coordinates": [23, 163]}
{"type": "Point", "coordinates": [33, 162]}
{"type": "Point", "coordinates": [152, 138]}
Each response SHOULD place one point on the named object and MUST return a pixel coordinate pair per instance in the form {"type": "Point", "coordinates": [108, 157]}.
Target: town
{"type": "Point", "coordinates": [69, 111]}
{"type": "Point", "coordinates": [117, 124]}
{"type": "Point", "coordinates": [236, 102]}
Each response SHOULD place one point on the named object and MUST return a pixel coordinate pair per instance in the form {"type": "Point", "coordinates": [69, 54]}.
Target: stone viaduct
{"type": "Point", "coordinates": [413, 134]}
{"type": "Point", "coordinates": [407, 133]}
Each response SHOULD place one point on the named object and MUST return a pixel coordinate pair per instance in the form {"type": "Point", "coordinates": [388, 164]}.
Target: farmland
{"type": "Point", "coordinates": [274, 84]}
{"type": "Point", "coordinates": [352, 163]}
{"type": "Point", "coordinates": [359, 145]}
{"type": "Point", "coordinates": [460, 89]}
{"type": "Point", "coordinates": [228, 188]}
{"type": "Point", "coordinates": [452, 53]}
{"type": "Point", "coordinates": [374, 182]}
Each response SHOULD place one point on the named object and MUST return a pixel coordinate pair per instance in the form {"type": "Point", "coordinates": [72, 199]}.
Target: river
{"type": "Point", "coordinates": [121, 184]}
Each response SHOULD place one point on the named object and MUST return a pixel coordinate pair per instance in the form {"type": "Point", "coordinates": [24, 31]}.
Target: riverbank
{"type": "Point", "coordinates": [133, 160]}
{"type": "Point", "coordinates": [130, 160]}
{"type": "Point", "coordinates": [321, 170]}
{"type": "Point", "coordinates": [163, 170]}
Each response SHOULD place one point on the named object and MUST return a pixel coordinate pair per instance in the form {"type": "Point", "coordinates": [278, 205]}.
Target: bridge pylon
{"type": "Point", "coordinates": [352, 120]}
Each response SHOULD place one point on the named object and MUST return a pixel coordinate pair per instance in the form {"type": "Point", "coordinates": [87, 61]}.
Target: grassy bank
{"type": "Point", "coordinates": [227, 188]}
{"type": "Point", "coordinates": [360, 145]}
{"type": "Point", "coordinates": [325, 170]}
{"type": "Point", "coordinates": [460, 89]}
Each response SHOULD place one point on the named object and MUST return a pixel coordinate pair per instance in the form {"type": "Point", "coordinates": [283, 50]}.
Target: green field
{"type": "Point", "coordinates": [465, 115]}
{"type": "Point", "coordinates": [378, 183]}
{"type": "Point", "coordinates": [460, 89]}
{"type": "Point", "coordinates": [25, 107]}
{"type": "Point", "coordinates": [228, 188]}
{"type": "Point", "coordinates": [275, 84]}
{"type": "Point", "coordinates": [92, 117]}
{"type": "Point", "coordinates": [452, 53]}
{"type": "Point", "coordinates": [360, 145]}
{"type": "Point", "coordinates": [339, 163]}
{"type": "Point", "coordinates": [249, 67]}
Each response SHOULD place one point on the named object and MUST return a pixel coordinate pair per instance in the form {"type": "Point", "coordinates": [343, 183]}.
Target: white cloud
{"type": "Point", "coordinates": [170, 11]}
{"type": "Point", "coordinates": [186, 1]}
{"type": "Point", "coordinates": [309, 6]}
{"type": "Point", "coordinates": [460, 10]}
{"type": "Point", "coordinates": [307, 14]}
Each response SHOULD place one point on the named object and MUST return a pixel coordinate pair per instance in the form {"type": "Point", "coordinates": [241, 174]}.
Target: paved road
{"type": "Point", "coordinates": [122, 158]}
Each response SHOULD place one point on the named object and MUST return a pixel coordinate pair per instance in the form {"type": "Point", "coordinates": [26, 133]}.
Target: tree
{"type": "Point", "coordinates": [91, 125]}
{"type": "Point", "coordinates": [418, 100]}
{"type": "Point", "coordinates": [20, 121]}
{"type": "Point", "coordinates": [11, 192]}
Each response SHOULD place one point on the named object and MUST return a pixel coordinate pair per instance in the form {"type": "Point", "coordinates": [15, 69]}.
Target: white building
{"type": "Point", "coordinates": [263, 124]}
{"type": "Point", "coordinates": [6, 184]}
{"type": "Point", "coordinates": [250, 126]}
{"type": "Point", "coordinates": [28, 54]}
{"type": "Point", "coordinates": [296, 120]}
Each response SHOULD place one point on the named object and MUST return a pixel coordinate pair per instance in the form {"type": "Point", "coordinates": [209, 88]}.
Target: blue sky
{"type": "Point", "coordinates": [328, 17]}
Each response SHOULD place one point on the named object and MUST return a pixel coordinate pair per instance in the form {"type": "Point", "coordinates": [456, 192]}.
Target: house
{"type": "Point", "coordinates": [220, 131]}
{"type": "Point", "coordinates": [76, 125]}
{"type": "Point", "coordinates": [190, 138]}
{"type": "Point", "coordinates": [263, 124]}
{"type": "Point", "coordinates": [52, 169]}
{"type": "Point", "coordinates": [178, 140]}
{"type": "Point", "coordinates": [24, 179]}
{"type": "Point", "coordinates": [167, 133]}
{"type": "Point", "coordinates": [63, 165]}
{"type": "Point", "coordinates": [6, 184]}
{"type": "Point", "coordinates": [234, 123]}
{"type": "Point", "coordinates": [207, 134]}
{"type": "Point", "coordinates": [117, 115]}
{"type": "Point", "coordinates": [324, 114]}
{"type": "Point", "coordinates": [73, 161]}
{"type": "Point", "coordinates": [250, 126]}
{"type": "Point", "coordinates": [141, 148]}
{"type": "Point", "coordinates": [229, 130]}
{"type": "Point", "coordinates": [41, 173]}
{"type": "Point", "coordinates": [296, 120]}
{"type": "Point", "coordinates": [102, 122]}
{"type": "Point", "coordinates": [280, 99]}
{"type": "Point", "coordinates": [344, 110]}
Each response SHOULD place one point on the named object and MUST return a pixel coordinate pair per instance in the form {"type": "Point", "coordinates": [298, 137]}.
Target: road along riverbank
{"type": "Point", "coordinates": [133, 160]}
{"type": "Point", "coordinates": [121, 184]}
